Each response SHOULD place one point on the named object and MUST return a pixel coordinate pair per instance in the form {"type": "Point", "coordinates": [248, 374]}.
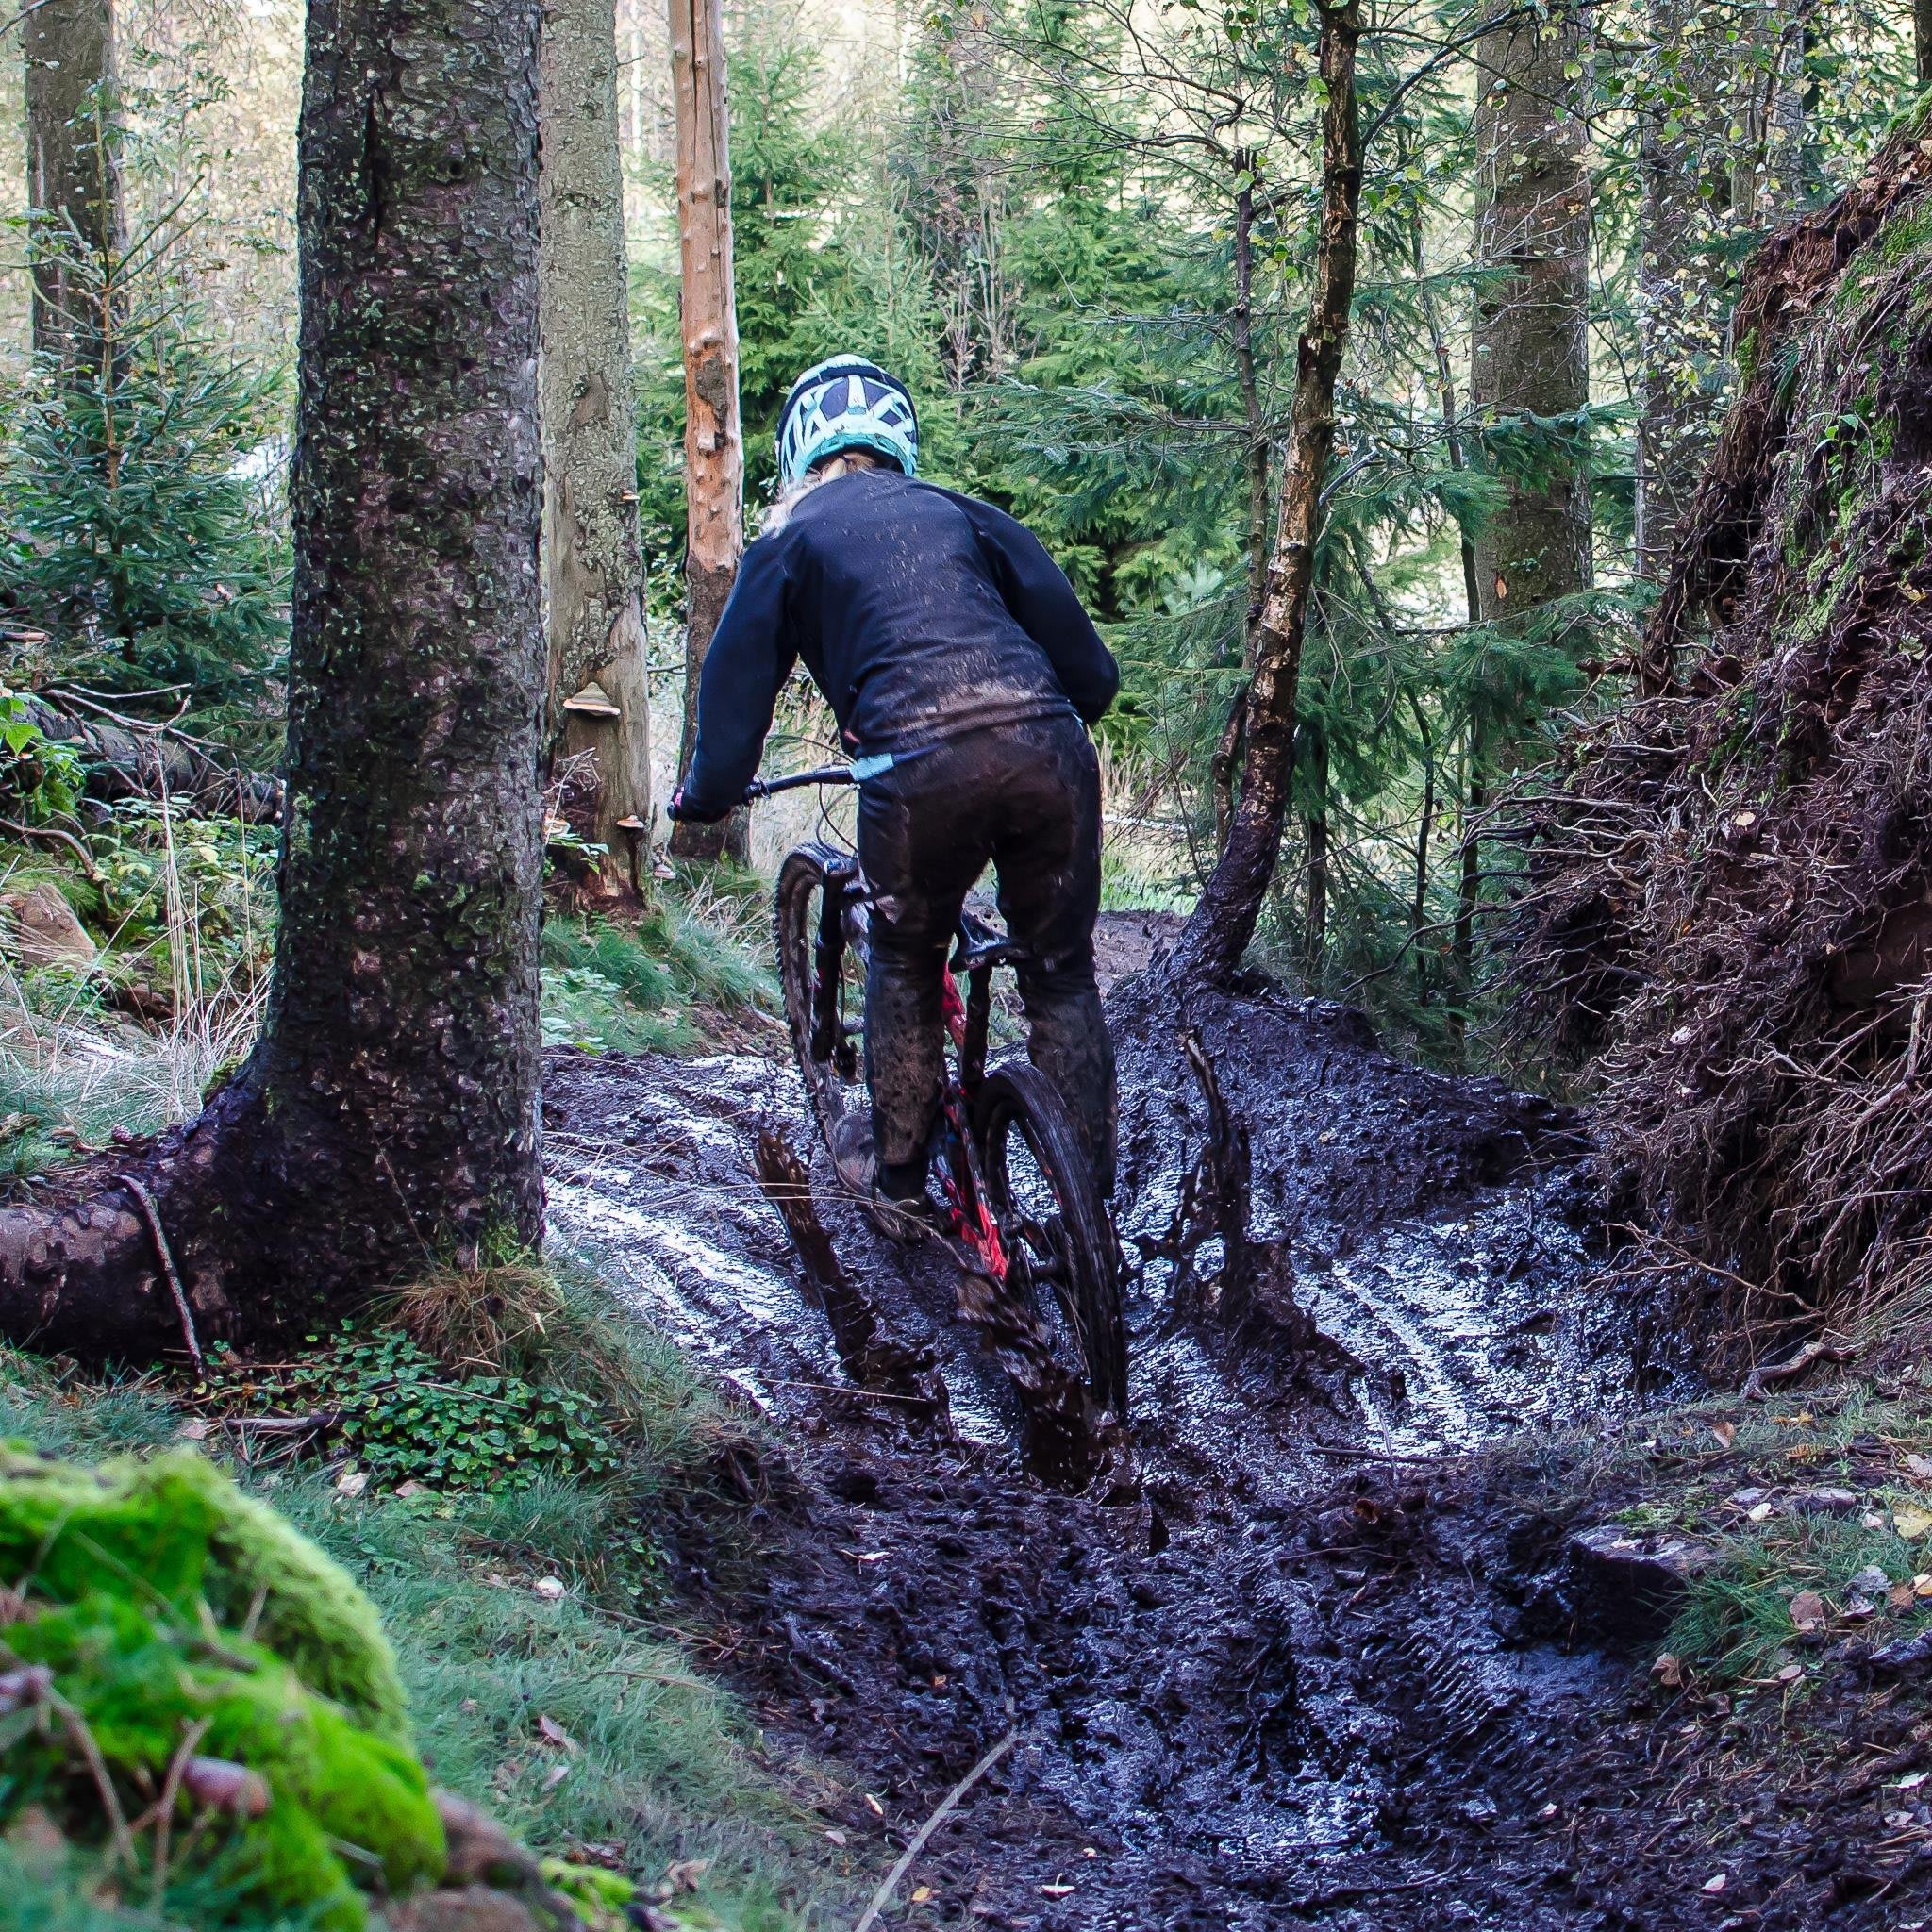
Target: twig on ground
{"type": "Point", "coordinates": [53, 832]}
{"type": "Point", "coordinates": [883, 1896]}
{"type": "Point", "coordinates": [1758, 1384]}
{"type": "Point", "coordinates": [153, 1216]}
{"type": "Point", "coordinates": [97, 1766]}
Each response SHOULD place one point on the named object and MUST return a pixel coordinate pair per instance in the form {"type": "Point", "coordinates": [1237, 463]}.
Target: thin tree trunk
{"type": "Point", "coordinates": [1315, 829]}
{"type": "Point", "coordinates": [1222, 921]}
{"type": "Point", "coordinates": [389, 1113]}
{"type": "Point", "coordinates": [1254, 464]}
{"type": "Point", "coordinates": [77, 231]}
{"type": "Point", "coordinates": [1419, 909]}
{"type": "Point", "coordinates": [1922, 36]}
{"type": "Point", "coordinates": [713, 445]}
{"type": "Point", "coordinates": [593, 560]}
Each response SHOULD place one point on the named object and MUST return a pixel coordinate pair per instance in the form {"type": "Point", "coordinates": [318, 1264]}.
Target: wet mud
{"type": "Point", "coordinates": [1272, 1669]}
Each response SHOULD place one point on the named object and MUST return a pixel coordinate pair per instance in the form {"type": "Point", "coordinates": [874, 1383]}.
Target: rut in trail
{"type": "Point", "coordinates": [1201, 1740]}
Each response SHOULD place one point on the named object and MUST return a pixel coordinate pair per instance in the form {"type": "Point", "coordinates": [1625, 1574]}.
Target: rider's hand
{"type": "Point", "coordinates": [681, 813]}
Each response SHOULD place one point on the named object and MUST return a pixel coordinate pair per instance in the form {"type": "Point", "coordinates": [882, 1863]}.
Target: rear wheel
{"type": "Point", "coordinates": [1053, 1224]}
{"type": "Point", "coordinates": [826, 1022]}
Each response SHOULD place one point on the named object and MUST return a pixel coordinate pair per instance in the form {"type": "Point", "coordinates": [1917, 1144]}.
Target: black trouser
{"type": "Point", "coordinates": [1026, 797]}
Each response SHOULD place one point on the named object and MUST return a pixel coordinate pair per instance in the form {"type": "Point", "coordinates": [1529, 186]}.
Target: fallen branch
{"type": "Point", "coordinates": [1758, 1383]}
{"type": "Point", "coordinates": [883, 1896]}
{"type": "Point", "coordinates": [60, 838]}
{"type": "Point", "coordinates": [153, 1217]}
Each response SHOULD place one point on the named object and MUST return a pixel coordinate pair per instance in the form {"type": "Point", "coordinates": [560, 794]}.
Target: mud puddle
{"type": "Point", "coordinates": [1225, 1713]}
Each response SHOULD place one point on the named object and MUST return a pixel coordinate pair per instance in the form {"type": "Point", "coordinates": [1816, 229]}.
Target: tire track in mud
{"type": "Point", "coordinates": [1200, 1744]}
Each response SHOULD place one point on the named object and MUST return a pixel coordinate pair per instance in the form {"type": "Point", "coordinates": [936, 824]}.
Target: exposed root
{"type": "Point", "coordinates": [1729, 902]}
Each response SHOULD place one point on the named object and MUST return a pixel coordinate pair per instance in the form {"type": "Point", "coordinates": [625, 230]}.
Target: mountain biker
{"type": "Point", "coordinates": [945, 638]}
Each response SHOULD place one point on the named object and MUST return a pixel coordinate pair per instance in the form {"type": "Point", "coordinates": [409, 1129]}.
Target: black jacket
{"type": "Point", "coordinates": [920, 613]}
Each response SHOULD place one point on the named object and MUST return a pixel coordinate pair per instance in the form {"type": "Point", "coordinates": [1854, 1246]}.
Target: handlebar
{"type": "Point", "coordinates": [824, 775]}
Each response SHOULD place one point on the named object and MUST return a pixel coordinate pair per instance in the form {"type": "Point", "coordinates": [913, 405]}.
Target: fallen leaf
{"type": "Point", "coordinates": [352, 1482]}
{"type": "Point", "coordinates": [1922, 1584]}
{"type": "Point", "coordinates": [1807, 1610]}
{"type": "Point", "coordinates": [836, 1836]}
{"type": "Point", "coordinates": [922, 1894]}
{"type": "Point", "coordinates": [1920, 1466]}
{"type": "Point", "coordinates": [411, 1488]}
{"type": "Point", "coordinates": [554, 1776]}
{"type": "Point", "coordinates": [685, 1873]}
{"type": "Point", "coordinates": [1869, 1581]}
{"type": "Point", "coordinates": [1900, 1597]}
{"type": "Point", "coordinates": [1911, 1520]}
{"type": "Point", "coordinates": [1727, 1433]}
{"type": "Point", "coordinates": [193, 1432]}
{"type": "Point", "coordinates": [1871, 1519]}
{"type": "Point", "coordinates": [1913, 1781]}
{"type": "Point", "coordinates": [553, 1733]}
{"type": "Point", "coordinates": [1790, 1673]}
{"type": "Point", "coordinates": [549, 1588]}
{"type": "Point", "coordinates": [1667, 1670]}
{"type": "Point", "coordinates": [1716, 1882]}
{"type": "Point", "coordinates": [877, 1809]}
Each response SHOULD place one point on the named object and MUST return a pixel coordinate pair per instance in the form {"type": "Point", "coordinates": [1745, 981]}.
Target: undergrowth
{"type": "Point", "coordinates": [523, 1599]}
{"type": "Point", "coordinates": [658, 983]}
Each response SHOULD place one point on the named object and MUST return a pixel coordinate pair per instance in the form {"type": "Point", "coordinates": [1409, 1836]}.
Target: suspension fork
{"type": "Point", "coordinates": [828, 961]}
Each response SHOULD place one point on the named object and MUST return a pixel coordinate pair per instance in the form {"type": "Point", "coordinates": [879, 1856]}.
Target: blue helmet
{"type": "Point", "coordinates": [846, 403]}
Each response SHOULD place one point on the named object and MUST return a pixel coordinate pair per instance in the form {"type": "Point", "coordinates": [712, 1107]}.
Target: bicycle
{"type": "Point", "coordinates": [1020, 1205]}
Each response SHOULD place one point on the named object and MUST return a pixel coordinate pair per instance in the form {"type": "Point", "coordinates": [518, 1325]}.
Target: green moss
{"type": "Point", "coordinates": [179, 1617]}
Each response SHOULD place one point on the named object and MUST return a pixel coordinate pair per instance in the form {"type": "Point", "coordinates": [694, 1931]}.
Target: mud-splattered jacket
{"type": "Point", "coordinates": [920, 614]}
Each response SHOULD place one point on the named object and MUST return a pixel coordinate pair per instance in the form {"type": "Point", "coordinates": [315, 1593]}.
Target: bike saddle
{"type": "Point", "coordinates": [981, 943]}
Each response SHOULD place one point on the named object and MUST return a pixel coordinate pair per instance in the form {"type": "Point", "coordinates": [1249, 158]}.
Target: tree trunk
{"type": "Point", "coordinates": [1531, 346]}
{"type": "Point", "coordinates": [389, 1113]}
{"type": "Point", "coordinates": [1315, 828]}
{"type": "Point", "coordinates": [713, 446]}
{"type": "Point", "coordinates": [1921, 36]}
{"type": "Point", "coordinates": [1530, 349]}
{"type": "Point", "coordinates": [1222, 921]}
{"type": "Point", "coordinates": [77, 231]}
{"type": "Point", "coordinates": [1255, 466]}
{"type": "Point", "coordinates": [593, 560]}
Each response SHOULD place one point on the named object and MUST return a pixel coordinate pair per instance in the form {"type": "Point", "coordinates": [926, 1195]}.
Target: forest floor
{"type": "Point", "coordinates": [1344, 1644]}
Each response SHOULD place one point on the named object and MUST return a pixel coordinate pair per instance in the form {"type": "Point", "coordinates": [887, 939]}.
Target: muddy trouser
{"type": "Point", "coordinates": [1026, 797]}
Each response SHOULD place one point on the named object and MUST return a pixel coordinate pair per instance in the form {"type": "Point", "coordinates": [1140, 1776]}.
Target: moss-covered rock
{"type": "Point", "coordinates": [179, 1644]}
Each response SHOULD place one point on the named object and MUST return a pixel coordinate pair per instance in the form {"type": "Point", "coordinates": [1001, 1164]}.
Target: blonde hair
{"type": "Point", "coordinates": [847, 462]}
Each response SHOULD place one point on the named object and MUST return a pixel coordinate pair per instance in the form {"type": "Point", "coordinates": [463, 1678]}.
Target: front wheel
{"type": "Point", "coordinates": [1053, 1224]}
{"type": "Point", "coordinates": [820, 945]}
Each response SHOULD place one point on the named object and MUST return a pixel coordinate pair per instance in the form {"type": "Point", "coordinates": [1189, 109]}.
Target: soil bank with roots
{"type": "Point", "coordinates": [1297, 1657]}
{"type": "Point", "coordinates": [1728, 896]}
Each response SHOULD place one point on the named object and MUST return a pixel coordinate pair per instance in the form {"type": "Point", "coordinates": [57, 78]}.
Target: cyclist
{"type": "Point", "coordinates": [964, 671]}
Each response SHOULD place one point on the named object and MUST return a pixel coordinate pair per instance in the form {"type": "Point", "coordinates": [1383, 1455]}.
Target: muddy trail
{"type": "Point", "coordinates": [1288, 1662]}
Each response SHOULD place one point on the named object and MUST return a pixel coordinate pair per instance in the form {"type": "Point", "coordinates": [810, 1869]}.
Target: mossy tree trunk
{"type": "Point", "coordinates": [76, 227]}
{"type": "Point", "coordinates": [713, 443]}
{"type": "Point", "coordinates": [594, 558]}
{"type": "Point", "coordinates": [1530, 347]}
{"type": "Point", "coordinates": [389, 1110]}
{"type": "Point", "coordinates": [1222, 921]}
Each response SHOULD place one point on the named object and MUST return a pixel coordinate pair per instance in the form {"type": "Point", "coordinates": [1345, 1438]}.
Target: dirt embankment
{"type": "Point", "coordinates": [1277, 1669]}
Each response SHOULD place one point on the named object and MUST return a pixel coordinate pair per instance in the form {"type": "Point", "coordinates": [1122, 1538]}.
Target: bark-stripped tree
{"type": "Point", "coordinates": [598, 724]}
{"type": "Point", "coordinates": [1222, 921]}
{"type": "Point", "coordinates": [713, 444]}
{"type": "Point", "coordinates": [77, 233]}
{"type": "Point", "coordinates": [389, 1111]}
